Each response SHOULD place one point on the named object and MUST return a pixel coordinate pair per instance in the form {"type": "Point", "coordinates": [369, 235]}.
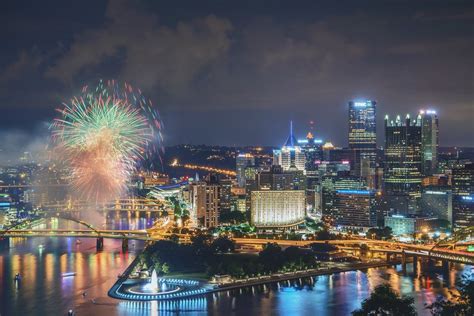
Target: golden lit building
{"type": "Point", "coordinates": [282, 208]}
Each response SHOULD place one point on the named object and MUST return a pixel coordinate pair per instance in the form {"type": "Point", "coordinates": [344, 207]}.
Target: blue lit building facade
{"type": "Point", "coordinates": [407, 225]}
{"type": "Point", "coordinates": [291, 155]}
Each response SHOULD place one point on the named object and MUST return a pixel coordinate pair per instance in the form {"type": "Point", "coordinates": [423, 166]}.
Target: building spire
{"type": "Point", "coordinates": [291, 141]}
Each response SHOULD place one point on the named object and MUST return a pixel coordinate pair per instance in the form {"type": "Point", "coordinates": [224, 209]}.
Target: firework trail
{"type": "Point", "coordinates": [104, 135]}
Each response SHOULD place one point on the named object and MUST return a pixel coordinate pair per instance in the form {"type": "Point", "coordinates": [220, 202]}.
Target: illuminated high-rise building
{"type": "Point", "coordinates": [225, 193]}
{"type": "Point", "coordinates": [463, 195]}
{"type": "Point", "coordinates": [429, 141]}
{"type": "Point", "coordinates": [291, 155]}
{"type": "Point", "coordinates": [277, 209]}
{"type": "Point", "coordinates": [340, 181]}
{"type": "Point", "coordinates": [363, 139]}
{"type": "Point", "coordinates": [402, 170]}
{"type": "Point", "coordinates": [354, 208]}
{"type": "Point", "coordinates": [312, 149]}
{"type": "Point", "coordinates": [437, 203]}
{"type": "Point", "coordinates": [205, 204]}
{"type": "Point", "coordinates": [243, 161]}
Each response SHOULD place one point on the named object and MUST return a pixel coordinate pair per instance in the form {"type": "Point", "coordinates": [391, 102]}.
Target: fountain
{"type": "Point", "coordinates": [156, 289]}
{"type": "Point", "coordinates": [154, 281]}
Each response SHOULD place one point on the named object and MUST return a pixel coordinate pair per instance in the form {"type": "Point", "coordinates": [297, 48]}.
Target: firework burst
{"type": "Point", "coordinates": [103, 136]}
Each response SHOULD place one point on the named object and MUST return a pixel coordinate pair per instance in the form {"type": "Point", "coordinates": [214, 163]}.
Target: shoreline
{"type": "Point", "coordinates": [281, 277]}
{"type": "Point", "coordinates": [207, 288]}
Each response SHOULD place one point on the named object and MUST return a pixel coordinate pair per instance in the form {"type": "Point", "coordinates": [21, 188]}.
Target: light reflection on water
{"type": "Point", "coordinates": [43, 291]}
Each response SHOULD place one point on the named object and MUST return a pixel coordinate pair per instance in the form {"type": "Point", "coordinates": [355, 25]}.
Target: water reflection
{"type": "Point", "coordinates": [44, 291]}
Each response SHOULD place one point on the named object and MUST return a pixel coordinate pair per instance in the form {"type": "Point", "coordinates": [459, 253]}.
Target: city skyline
{"type": "Point", "coordinates": [266, 157]}
{"type": "Point", "coordinates": [242, 65]}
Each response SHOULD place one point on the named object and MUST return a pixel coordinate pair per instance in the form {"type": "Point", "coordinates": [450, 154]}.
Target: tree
{"type": "Point", "coordinates": [326, 247]}
{"type": "Point", "coordinates": [234, 217]}
{"type": "Point", "coordinates": [157, 267]}
{"type": "Point", "coordinates": [313, 225]}
{"type": "Point", "coordinates": [165, 268]}
{"type": "Point", "coordinates": [324, 235]}
{"type": "Point", "coordinates": [442, 225]}
{"type": "Point", "coordinates": [380, 233]}
{"type": "Point", "coordinates": [223, 244]}
{"type": "Point", "coordinates": [271, 257]}
{"type": "Point", "coordinates": [459, 305]}
{"type": "Point", "coordinates": [201, 244]}
{"type": "Point", "coordinates": [384, 301]}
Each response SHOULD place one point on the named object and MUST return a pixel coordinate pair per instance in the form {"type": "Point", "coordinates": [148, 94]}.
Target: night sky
{"type": "Point", "coordinates": [235, 72]}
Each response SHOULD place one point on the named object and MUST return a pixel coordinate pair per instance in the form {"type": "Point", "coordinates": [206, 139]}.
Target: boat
{"type": "Point", "coordinates": [17, 277]}
{"type": "Point", "coordinates": [40, 246]}
{"type": "Point", "coordinates": [68, 274]}
{"type": "Point", "coordinates": [78, 241]}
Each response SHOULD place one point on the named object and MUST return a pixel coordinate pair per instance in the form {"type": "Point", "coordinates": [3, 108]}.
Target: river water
{"type": "Point", "coordinates": [44, 291]}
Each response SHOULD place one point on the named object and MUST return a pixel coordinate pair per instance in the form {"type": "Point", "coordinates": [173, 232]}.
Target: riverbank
{"type": "Point", "coordinates": [282, 277]}
{"type": "Point", "coordinates": [202, 287]}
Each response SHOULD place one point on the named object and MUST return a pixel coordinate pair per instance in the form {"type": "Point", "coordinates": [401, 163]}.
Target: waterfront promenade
{"type": "Point", "coordinates": [118, 289]}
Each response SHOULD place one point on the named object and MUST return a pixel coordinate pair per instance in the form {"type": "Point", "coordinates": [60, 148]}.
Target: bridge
{"type": "Point", "coordinates": [26, 229]}
{"type": "Point", "coordinates": [442, 250]}
{"type": "Point", "coordinates": [140, 205]}
{"type": "Point", "coordinates": [390, 248]}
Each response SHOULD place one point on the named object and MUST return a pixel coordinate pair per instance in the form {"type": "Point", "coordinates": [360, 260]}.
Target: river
{"type": "Point", "coordinates": [44, 291]}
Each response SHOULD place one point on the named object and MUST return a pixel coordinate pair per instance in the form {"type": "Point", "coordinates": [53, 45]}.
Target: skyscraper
{"type": "Point", "coordinates": [363, 138]}
{"type": "Point", "coordinates": [402, 170]}
{"type": "Point", "coordinates": [463, 195]}
{"type": "Point", "coordinates": [312, 149]}
{"type": "Point", "coordinates": [354, 208]}
{"type": "Point", "coordinates": [291, 155]}
{"type": "Point", "coordinates": [205, 204]}
{"type": "Point", "coordinates": [437, 203]}
{"type": "Point", "coordinates": [429, 141]}
{"type": "Point", "coordinates": [243, 161]}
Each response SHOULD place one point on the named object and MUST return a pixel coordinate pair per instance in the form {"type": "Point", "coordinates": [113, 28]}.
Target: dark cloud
{"type": "Point", "coordinates": [252, 67]}
{"type": "Point", "coordinates": [26, 62]}
{"type": "Point", "coordinates": [154, 55]}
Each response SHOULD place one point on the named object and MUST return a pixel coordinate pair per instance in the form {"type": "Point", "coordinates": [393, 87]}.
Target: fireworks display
{"type": "Point", "coordinates": [104, 135]}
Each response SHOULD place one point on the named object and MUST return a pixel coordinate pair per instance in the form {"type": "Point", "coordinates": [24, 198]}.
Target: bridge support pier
{"type": "Point", "coordinates": [124, 245]}
{"type": "Point", "coordinates": [431, 263]}
{"type": "Point", "coordinates": [415, 264]}
{"type": "Point", "coordinates": [4, 243]}
{"type": "Point", "coordinates": [100, 243]}
{"type": "Point", "coordinates": [446, 265]}
{"type": "Point", "coordinates": [404, 261]}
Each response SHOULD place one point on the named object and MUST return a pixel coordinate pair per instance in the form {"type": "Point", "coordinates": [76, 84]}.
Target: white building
{"type": "Point", "coordinates": [280, 208]}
